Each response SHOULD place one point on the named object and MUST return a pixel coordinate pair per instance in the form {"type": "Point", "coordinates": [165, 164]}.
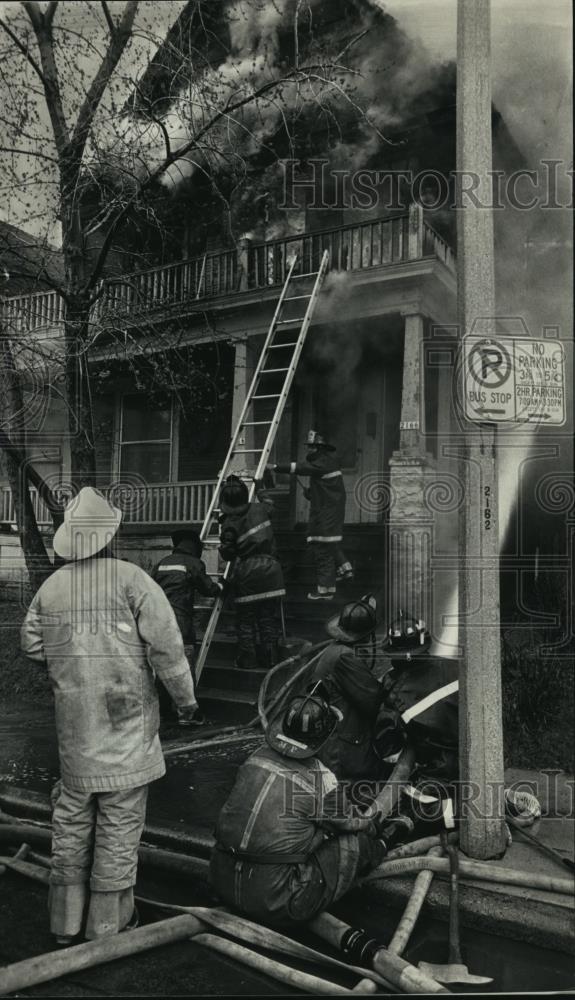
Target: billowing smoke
{"type": "Point", "coordinates": [367, 76]}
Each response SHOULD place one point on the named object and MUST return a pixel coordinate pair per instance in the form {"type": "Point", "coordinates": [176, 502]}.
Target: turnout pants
{"type": "Point", "coordinates": [328, 558]}
{"type": "Point", "coordinates": [288, 895]}
{"type": "Point", "coordinates": [95, 840]}
{"type": "Point", "coordinates": [258, 623]}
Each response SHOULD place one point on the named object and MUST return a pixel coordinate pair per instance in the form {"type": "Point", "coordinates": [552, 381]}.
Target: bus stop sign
{"type": "Point", "coordinates": [513, 380]}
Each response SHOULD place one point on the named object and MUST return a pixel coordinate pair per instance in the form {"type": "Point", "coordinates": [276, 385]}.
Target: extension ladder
{"type": "Point", "coordinates": [270, 385]}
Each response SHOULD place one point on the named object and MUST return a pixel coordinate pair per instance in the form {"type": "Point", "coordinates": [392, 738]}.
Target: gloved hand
{"type": "Point", "coordinates": [186, 713]}
{"type": "Point", "coordinates": [395, 831]}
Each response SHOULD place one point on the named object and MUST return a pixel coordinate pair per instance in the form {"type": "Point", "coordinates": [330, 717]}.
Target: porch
{"type": "Point", "coordinates": [152, 504]}
{"type": "Point", "coordinates": [169, 290]}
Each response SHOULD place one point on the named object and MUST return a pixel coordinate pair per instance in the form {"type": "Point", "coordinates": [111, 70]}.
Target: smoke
{"type": "Point", "coordinates": [368, 76]}
{"type": "Point", "coordinates": [533, 261]}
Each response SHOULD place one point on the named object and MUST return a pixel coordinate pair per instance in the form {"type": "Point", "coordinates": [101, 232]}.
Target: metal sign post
{"type": "Point", "coordinates": [480, 736]}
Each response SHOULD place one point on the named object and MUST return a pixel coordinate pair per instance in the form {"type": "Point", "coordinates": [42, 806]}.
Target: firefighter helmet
{"type": "Point", "coordinates": [308, 721]}
{"type": "Point", "coordinates": [407, 637]}
{"type": "Point", "coordinates": [316, 440]}
{"type": "Point", "coordinates": [191, 537]}
{"type": "Point", "coordinates": [234, 494]}
{"type": "Point", "coordinates": [356, 620]}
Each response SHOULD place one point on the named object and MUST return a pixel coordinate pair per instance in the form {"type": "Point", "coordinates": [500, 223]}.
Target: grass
{"type": "Point", "coordinates": [538, 706]}
{"type": "Point", "coordinates": [20, 678]}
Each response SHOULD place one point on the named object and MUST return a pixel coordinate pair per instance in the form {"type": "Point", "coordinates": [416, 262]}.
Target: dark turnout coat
{"type": "Point", "coordinates": [351, 687]}
{"type": "Point", "coordinates": [286, 845]}
{"type": "Point", "coordinates": [326, 494]}
{"type": "Point", "coordinates": [181, 575]}
{"type": "Point", "coordinates": [424, 695]}
{"type": "Point", "coordinates": [247, 536]}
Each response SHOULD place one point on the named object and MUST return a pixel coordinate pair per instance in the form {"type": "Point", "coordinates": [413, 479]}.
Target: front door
{"type": "Point", "coordinates": [353, 420]}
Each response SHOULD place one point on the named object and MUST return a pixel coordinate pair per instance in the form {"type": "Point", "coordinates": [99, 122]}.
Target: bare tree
{"type": "Point", "coordinates": [87, 141]}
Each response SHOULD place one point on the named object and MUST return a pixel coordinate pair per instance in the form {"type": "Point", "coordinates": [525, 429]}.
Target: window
{"type": "Point", "coordinates": [146, 438]}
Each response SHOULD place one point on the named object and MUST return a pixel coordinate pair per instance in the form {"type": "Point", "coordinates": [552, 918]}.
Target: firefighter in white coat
{"type": "Point", "coordinates": [104, 629]}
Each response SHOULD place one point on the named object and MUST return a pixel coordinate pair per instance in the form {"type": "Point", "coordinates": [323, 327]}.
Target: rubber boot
{"type": "Point", "coordinates": [67, 904]}
{"type": "Point", "coordinates": [109, 913]}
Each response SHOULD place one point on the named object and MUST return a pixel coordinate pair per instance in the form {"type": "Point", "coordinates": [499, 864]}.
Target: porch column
{"type": "Point", "coordinates": [244, 365]}
{"type": "Point", "coordinates": [244, 244]}
{"type": "Point", "coordinates": [410, 520]}
{"type": "Point", "coordinates": [415, 247]}
{"type": "Point", "coordinates": [412, 392]}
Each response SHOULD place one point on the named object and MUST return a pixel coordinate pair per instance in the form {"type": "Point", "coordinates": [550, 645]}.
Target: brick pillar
{"type": "Point", "coordinates": [410, 521]}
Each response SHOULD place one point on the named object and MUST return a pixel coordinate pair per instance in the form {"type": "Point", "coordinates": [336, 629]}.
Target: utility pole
{"type": "Point", "coordinates": [480, 727]}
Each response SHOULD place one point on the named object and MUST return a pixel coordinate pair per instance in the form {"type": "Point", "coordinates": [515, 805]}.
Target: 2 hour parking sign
{"type": "Point", "coordinates": [513, 380]}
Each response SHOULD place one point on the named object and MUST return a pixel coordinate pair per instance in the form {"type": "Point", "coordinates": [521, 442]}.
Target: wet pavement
{"type": "Point", "coordinates": [195, 785]}
{"type": "Point", "coordinates": [191, 794]}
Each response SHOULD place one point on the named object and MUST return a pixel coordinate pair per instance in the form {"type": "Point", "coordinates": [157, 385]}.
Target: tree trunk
{"type": "Point", "coordinates": [35, 555]}
{"type": "Point", "coordinates": [78, 388]}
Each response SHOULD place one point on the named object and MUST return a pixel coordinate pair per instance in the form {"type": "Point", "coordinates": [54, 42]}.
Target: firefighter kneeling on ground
{"type": "Point", "coordinates": [287, 842]}
{"type": "Point", "coordinates": [348, 681]}
{"type": "Point", "coordinates": [326, 494]}
{"type": "Point", "coordinates": [420, 708]}
{"type": "Point", "coordinates": [256, 580]}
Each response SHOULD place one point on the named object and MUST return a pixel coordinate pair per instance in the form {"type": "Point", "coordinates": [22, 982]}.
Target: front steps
{"type": "Point", "coordinates": [232, 691]}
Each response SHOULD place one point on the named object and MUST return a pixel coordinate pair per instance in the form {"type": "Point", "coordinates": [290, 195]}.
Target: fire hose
{"type": "Point", "coordinates": [481, 870]}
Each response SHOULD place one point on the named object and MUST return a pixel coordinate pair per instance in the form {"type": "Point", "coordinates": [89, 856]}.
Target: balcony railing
{"type": "Point", "coordinates": [158, 503]}
{"type": "Point", "coordinates": [377, 243]}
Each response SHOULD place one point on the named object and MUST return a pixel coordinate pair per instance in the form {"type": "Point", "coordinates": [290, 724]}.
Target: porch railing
{"type": "Point", "coordinates": [32, 311]}
{"type": "Point", "coordinates": [435, 246]}
{"type": "Point", "coordinates": [377, 243]}
{"type": "Point", "coordinates": [157, 503]}
{"type": "Point", "coordinates": [171, 285]}
{"type": "Point", "coordinates": [350, 248]}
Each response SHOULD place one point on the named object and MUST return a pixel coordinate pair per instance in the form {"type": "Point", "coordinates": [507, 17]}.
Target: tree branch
{"type": "Point", "coordinates": [118, 41]}
{"type": "Point", "coordinates": [50, 11]}
{"type": "Point", "coordinates": [109, 18]}
{"type": "Point", "coordinates": [49, 76]}
{"type": "Point", "coordinates": [24, 50]}
{"type": "Point", "coordinates": [178, 154]}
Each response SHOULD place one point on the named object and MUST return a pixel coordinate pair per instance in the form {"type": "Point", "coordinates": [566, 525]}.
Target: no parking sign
{"type": "Point", "coordinates": [513, 380]}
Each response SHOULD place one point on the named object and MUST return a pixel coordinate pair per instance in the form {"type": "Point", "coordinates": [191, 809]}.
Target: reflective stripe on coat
{"type": "Point", "coordinates": [280, 806]}
{"type": "Point", "coordinates": [180, 575]}
{"type": "Point", "coordinates": [326, 494]}
{"type": "Point", "coordinates": [257, 574]}
{"type": "Point", "coordinates": [432, 726]}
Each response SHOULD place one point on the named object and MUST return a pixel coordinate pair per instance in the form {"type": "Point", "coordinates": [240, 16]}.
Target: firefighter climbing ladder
{"type": "Point", "coordinates": [271, 383]}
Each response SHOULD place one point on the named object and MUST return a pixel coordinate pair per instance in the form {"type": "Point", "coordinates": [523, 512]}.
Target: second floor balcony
{"type": "Point", "coordinates": [166, 291]}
